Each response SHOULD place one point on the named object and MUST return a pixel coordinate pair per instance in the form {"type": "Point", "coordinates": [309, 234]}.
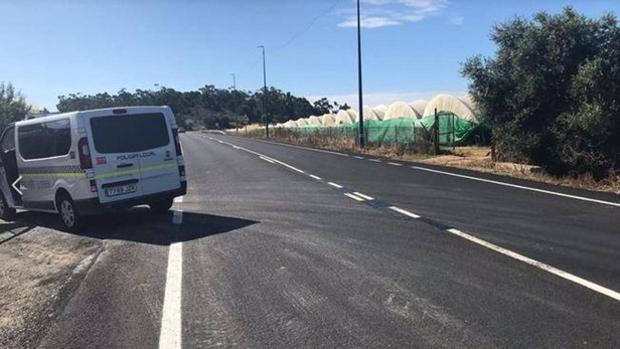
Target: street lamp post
{"type": "Point", "coordinates": [234, 78]}
{"type": "Point", "coordinates": [359, 78]}
{"type": "Point", "coordinates": [265, 116]}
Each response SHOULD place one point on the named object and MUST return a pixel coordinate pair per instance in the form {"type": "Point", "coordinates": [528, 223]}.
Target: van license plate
{"type": "Point", "coordinates": [120, 190]}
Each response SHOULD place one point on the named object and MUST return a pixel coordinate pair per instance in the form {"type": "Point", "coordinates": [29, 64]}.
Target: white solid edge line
{"type": "Point", "coordinates": [336, 185]}
{"type": "Point", "coordinates": [170, 335]}
{"type": "Point", "coordinates": [565, 275]}
{"type": "Point", "coordinates": [394, 164]}
{"type": "Point", "coordinates": [363, 195]}
{"type": "Point", "coordinates": [519, 186]}
{"type": "Point", "coordinates": [405, 212]}
{"type": "Point", "coordinates": [316, 177]}
{"type": "Point", "coordinates": [358, 157]}
{"type": "Point", "coordinates": [301, 147]}
{"type": "Point", "coordinates": [354, 197]}
{"type": "Point", "coordinates": [177, 214]}
{"type": "Point", "coordinates": [268, 160]}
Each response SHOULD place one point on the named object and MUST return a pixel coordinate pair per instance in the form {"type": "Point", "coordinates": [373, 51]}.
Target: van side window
{"type": "Point", "coordinates": [44, 140]}
{"type": "Point", "coordinates": [8, 139]}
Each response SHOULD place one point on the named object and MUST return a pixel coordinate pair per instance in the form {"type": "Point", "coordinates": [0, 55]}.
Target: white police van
{"type": "Point", "coordinates": [84, 162]}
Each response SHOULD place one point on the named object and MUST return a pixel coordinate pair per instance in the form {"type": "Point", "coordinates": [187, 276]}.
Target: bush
{"type": "Point", "coordinates": [551, 92]}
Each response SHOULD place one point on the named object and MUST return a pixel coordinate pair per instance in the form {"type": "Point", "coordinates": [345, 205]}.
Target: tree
{"type": "Point", "coordinates": [322, 106]}
{"type": "Point", "coordinates": [551, 92]}
{"type": "Point", "coordinates": [209, 106]}
{"type": "Point", "coordinates": [13, 106]}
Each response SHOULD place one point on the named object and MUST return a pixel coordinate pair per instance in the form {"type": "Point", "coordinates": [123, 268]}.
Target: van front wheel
{"type": "Point", "coordinates": [68, 214]}
{"type": "Point", "coordinates": [162, 206]}
{"type": "Point", "coordinates": [6, 213]}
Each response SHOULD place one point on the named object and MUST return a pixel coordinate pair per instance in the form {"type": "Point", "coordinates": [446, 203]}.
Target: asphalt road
{"type": "Point", "coordinates": [264, 252]}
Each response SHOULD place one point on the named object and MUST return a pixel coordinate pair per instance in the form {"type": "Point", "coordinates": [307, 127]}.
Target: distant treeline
{"type": "Point", "coordinates": [208, 106]}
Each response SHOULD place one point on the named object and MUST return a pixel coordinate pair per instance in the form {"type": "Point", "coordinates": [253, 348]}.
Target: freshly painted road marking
{"type": "Point", "coordinates": [177, 214]}
{"type": "Point", "coordinates": [374, 160]}
{"type": "Point", "coordinates": [268, 160]}
{"type": "Point", "coordinates": [363, 195]}
{"type": "Point", "coordinates": [354, 197]}
{"type": "Point", "coordinates": [316, 177]}
{"type": "Point", "coordinates": [565, 275]}
{"type": "Point", "coordinates": [359, 157]}
{"type": "Point", "coordinates": [170, 331]}
{"type": "Point", "coordinates": [335, 185]}
{"type": "Point", "coordinates": [394, 164]}
{"type": "Point", "coordinates": [404, 212]}
{"type": "Point", "coordinates": [519, 186]}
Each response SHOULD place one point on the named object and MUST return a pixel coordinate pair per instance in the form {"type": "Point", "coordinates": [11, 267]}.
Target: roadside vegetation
{"type": "Point", "coordinates": [13, 106]}
{"type": "Point", "coordinates": [551, 93]}
{"type": "Point", "coordinates": [208, 107]}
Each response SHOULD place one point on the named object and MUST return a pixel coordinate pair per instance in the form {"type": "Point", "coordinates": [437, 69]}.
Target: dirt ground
{"type": "Point", "coordinates": [37, 265]}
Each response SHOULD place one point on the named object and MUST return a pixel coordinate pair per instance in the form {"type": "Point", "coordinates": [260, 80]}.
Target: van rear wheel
{"type": "Point", "coordinates": [68, 214]}
{"type": "Point", "coordinates": [162, 206]}
{"type": "Point", "coordinates": [6, 213]}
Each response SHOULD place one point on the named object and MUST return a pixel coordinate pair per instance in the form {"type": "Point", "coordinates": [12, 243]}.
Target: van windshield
{"type": "Point", "coordinates": [129, 133]}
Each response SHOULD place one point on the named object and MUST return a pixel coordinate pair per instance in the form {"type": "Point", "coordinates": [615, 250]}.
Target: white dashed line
{"type": "Point", "coordinates": [354, 197]}
{"type": "Point", "coordinates": [394, 164]}
{"type": "Point", "coordinates": [519, 186]}
{"type": "Point", "coordinates": [359, 157]}
{"type": "Point", "coordinates": [316, 177]}
{"type": "Point", "coordinates": [565, 275]}
{"type": "Point", "coordinates": [374, 160]}
{"type": "Point", "coordinates": [404, 212]}
{"type": "Point", "coordinates": [335, 185]}
{"type": "Point", "coordinates": [268, 160]}
{"type": "Point", "coordinates": [363, 195]}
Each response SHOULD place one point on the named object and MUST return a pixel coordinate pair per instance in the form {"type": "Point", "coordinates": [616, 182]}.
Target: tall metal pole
{"type": "Point", "coordinates": [359, 78]}
{"type": "Point", "coordinates": [265, 116]}
{"type": "Point", "coordinates": [234, 86]}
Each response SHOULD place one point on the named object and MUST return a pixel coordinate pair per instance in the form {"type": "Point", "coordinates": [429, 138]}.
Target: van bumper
{"type": "Point", "coordinates": [93, 206]}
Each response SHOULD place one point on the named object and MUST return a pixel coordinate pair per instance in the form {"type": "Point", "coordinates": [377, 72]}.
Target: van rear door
{"type": "Point", "coordinates": [159, 171]}
{"type": "Point", "coordinates": [115, 157]}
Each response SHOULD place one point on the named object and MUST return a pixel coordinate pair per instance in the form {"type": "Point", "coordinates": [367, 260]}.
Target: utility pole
{"type": "Point", "coordinates": [359, 78]}
{"type": "Point", "coordinates": [265, 115]}
{"type": "Point", "coordinates": [234, 85]}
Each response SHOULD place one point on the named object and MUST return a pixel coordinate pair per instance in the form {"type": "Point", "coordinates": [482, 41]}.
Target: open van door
{"type": "Point", "coordinates": [9, 174]}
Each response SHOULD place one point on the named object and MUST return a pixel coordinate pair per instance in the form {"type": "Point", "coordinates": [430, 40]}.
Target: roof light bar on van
{"type": "Point", "coordinates": [84, 154]}
{"type": "Point", "coordinates": [119, 111]}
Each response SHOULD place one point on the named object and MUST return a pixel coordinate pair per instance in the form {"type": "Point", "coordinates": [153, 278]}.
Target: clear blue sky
{"type": "Point", "coordinates": [412, 48]}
